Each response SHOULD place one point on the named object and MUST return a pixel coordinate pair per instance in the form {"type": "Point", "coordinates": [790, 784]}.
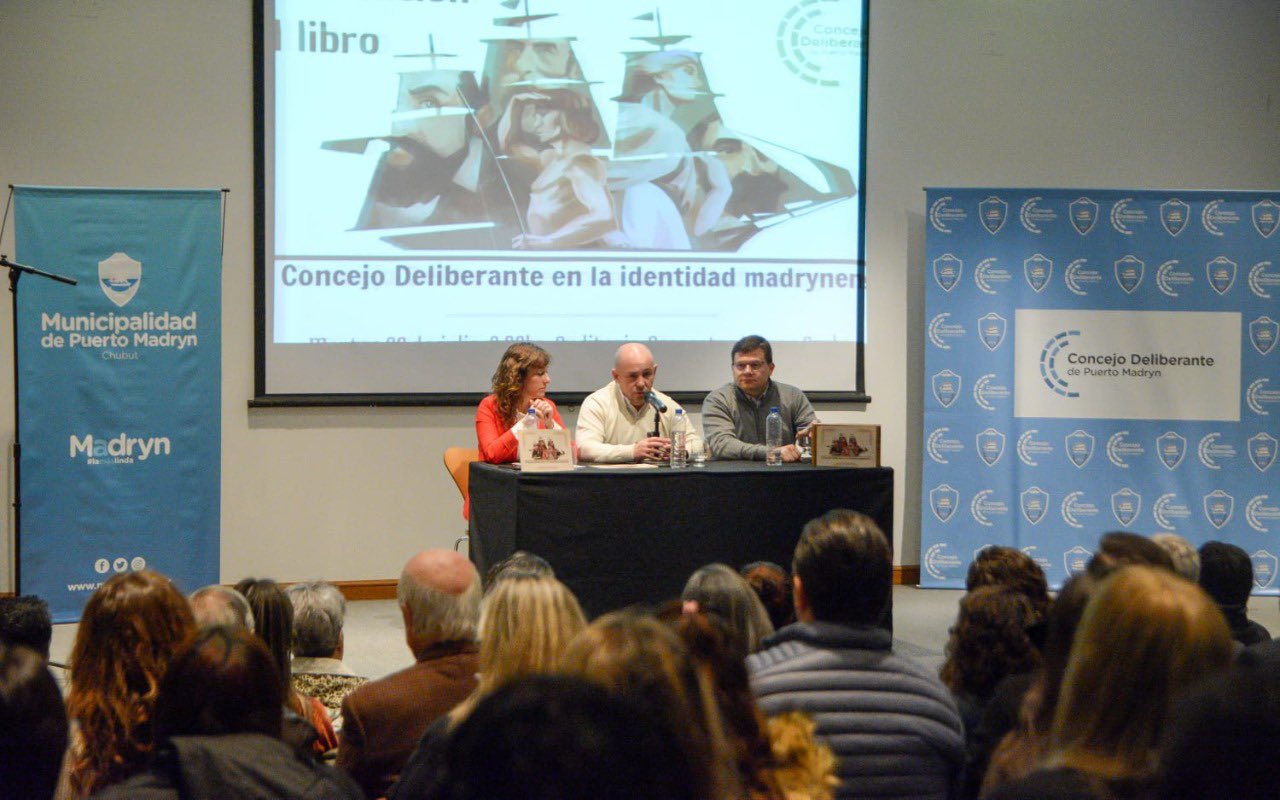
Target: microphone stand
{"type": "Point", "coordinates": [15, 272]}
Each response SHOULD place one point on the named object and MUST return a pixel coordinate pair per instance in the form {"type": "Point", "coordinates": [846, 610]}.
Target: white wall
{"type": "Point", "coordinates": [1149, 93]}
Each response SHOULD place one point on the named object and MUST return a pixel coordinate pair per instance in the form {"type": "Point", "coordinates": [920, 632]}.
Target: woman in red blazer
{"type": "Point", "coordinates": [519, 384]}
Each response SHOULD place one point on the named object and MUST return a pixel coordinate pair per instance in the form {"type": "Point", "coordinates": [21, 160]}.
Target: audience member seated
{"type": "Point", "coordinates": [544, 737]}
{"type": "Point", "coordinates": [319, 610]}
{"type": "Point", "coordinates": [637, 658]}
{"type": "Point", "coordinates": [772, 585]}
{"type": "Point", "coordinates": [1221, 740]}
{"type": "Point", "coordinates": [132, 627]}
{"type": "Point", "coordinates": [383, 720]}
{"type": "Point", "coordinates": [717, 589]}
{"type": "Point", "coordinates": [218, 725]}
{"type": "Point", "coordinates": [1186, 561]}
{"type": "Point", "coordinates": [217, 605]}
{"type": "Point", "coordinates": [988, 643]}
{"type": "Point", "coordinates": [1226, 573]}
{"type": "Point", "coordinates": [1019, 717]}
{"type": "Point", "coordinates": [33, 725]}
{"type": "Point", "coordinates": [307, 724]}
{"type": "Point", "coordinates": [25, 620]}
{"type": "Point", "coordinates": [519, 384]}
{"type": "Point", "coordinates": [519, 564]}
{"type": "Point", "coordinates": [998, 565]}
{"type": "Point", "coordinates": [892, 724]}
{"type": "Point", "coordinates": [1121, 548]}
{"type": "Point", "coordinates": [1145, 637]}
{"type": "Point", "coordinates": [526, 625]}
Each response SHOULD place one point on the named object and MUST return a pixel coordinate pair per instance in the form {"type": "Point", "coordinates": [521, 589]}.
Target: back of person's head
{"type": "Point", "coordinates": [1121, 549]}
{"type": "Point", "coordinates": [545, 737]}
{"type": "Point", "coordinates": [526, 625]}
{"type": "Point", "coordinates": [33, 725]}
{"type": "Point", "coordinates": [717, 589]}
{"type": "Point", "coordinates": [217, 605]}
{"type": "Point", "coordinates": [989, 641]}
{"type": "Point", "coordinates": [25, 620]}
{"type": "Point", "coordinates": [1146, 635]}
{"type": "Point", "coordinates": [1186, 561]}
{"type": "Point", "coordinates": [1226, 573]}
{"type": "Point", "coordinates": [844, 567]}
{"type": "Point", "coordinates": [130, 630]}
{"type": "Point", "coordinates": [772, 585]}
{"type": "Point", "coordinates": [520, 564]}
{"type": "Point", "coordinates": [225, 682]}
{"type": "Point", "coordinates": [319, 611]}
{"type": "Point", "coordinates": [439, 594]}
{"type": "Point", "coordinates": [1060, 631]}
{"type": "Point", "coordinates": [273, 623]}
{"type": "Point", "coordinates": [1008, 566]}
{"type": "Point", "coordinates": [635, 656]}
{"type": "Point", "coordinates": [1221, 740]}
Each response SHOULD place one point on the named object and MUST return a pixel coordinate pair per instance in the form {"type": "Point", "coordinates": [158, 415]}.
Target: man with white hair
{"type": "Point", "coordinates": [620, 422]}
{"type": "Point", "coordinates": [216, 605]}
{"type": "Point", "coordinates": [439, 594]}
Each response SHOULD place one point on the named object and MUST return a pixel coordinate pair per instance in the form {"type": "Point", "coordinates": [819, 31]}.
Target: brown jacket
{"type": "Point", "coordinates": [383, 720]}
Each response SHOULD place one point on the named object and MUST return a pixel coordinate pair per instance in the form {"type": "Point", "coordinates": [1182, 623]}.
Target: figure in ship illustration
{"type": "Point", "coordinates": [522, 160]}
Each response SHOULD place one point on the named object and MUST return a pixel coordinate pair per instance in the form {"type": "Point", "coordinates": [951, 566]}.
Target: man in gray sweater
{"type": "Point", "coordinates": [733, 416]}
{"type": "Point", "coordinates": [891, 723]}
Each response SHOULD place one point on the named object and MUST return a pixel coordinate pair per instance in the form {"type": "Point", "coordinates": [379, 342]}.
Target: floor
{"type": "Point", "coordinates": [375, 642]}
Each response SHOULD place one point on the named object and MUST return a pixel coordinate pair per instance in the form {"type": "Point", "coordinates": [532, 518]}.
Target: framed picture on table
{"type": "Point", "coordinates": [846, 445]}
{"type": "Point", "coordinates": [545, 450]}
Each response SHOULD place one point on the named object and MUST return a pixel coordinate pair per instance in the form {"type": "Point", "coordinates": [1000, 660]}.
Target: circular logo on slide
{"type": "Point", "coordinates": [816, 41]}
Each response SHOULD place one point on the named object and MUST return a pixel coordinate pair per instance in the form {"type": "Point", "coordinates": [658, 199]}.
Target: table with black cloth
{"type": "Point", "coordinates": [623, 536]}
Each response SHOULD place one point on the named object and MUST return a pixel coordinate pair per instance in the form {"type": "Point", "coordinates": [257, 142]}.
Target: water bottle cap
{"type": "Point", "coordinates": [679, 411]}
{"type": "Point", "coordinates": [773, 410]}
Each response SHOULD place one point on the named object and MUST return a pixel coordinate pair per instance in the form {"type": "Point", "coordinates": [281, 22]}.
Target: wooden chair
{"type": "Point", "coordinates": [457, 460]}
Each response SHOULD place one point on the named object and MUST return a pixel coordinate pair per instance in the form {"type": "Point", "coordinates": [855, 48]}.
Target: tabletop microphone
{"type": "Point", "coordinates": [655, 401]}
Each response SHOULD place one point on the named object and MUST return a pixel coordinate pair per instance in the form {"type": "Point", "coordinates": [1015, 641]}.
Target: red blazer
{"type": "Point", "coordinates": [497, 444]}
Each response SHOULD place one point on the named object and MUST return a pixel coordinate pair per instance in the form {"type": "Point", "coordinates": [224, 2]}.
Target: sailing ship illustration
{"type": "Point", "coordinates": [520, 159]}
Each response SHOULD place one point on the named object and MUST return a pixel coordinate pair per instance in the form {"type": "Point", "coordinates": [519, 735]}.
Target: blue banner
{"type": "Point", "coordinates": [1099, 360]}
{"type": "Point", "coordinates": [119, 396]}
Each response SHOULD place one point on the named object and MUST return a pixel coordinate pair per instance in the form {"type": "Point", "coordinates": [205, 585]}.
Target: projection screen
{"type": "Point", "coordinates": [438, 178]}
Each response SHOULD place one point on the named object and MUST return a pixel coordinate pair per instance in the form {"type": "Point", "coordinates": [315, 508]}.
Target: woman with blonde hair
{"type": "Point", "coordinates": [130, 631]}
{"type": "Point", "coordinates": [519, 386]}
{"type": "Point", "coordinates": [526, 623]}
{"type": "Point", "coordinates": [1145, 637]}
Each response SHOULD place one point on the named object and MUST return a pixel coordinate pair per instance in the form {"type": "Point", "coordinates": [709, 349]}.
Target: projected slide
{"type": "Point", "coordinates": [463, 171]}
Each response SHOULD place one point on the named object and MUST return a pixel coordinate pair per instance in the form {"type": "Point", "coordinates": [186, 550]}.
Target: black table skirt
{"type": "Point", "coordinates": [618, 537]}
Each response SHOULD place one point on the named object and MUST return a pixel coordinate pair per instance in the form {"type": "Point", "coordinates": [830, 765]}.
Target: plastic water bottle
{"type": "Point", "coordinates": [679, 433]}
{"type": "Point", "coordinates": [773, 438]}
{"type": "Point", "coordinates": [530, 421]}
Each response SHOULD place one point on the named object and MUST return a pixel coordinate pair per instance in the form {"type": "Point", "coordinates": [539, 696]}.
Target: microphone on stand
{"type": "Point", "coordinates": [659, 408]}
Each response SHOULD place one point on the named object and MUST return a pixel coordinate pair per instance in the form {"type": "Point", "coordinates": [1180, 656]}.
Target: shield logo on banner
{"type": "Point", "coordinates": [1171, 448]}
{"type": "Point", "coordinates": [1129, 271]}
{"type": "Point", "coordinates": [1076, 560]}
{"type": "Point", "coordinates": [946, 271]}
{"type": "Point", "coordinates": [119, 277]}
{"type": "Point", "coordinates": [991, 330]}
{"type": "Point", "coordinates": [1173, 215]}
{"type": "Point", "coordinates": [1262, 451]}
{"type": "Point", "coordinates": [946, 387]}
{"type": "Point", "coordinates": [944, 500]}
{"type": "Point", "coordinates": [1084, 214]}
{"type": "Point", "coordinates": [1222, 274]}
{"type": "Point", "coordinates": [1080, 448]}
{"type": "Point", "coordinates": [1264, 569]}
{"type": "Point", "coordinates": [1125, 505]}
{"type": "Point", "coordinates": [1218, 507]}
{"type": "Point", "coordinates": [1038, 270]}
{"type": "Point", "coordinates": [990, 446]}
{"type": "Point", "coordinates": [1035, 502]}
{"type": "Point", "coordinates": [1266, 217]}
{"type": "Point", "coordinates": [1262, 334]}
{"type": "Point", "coordinates": [993, 212]}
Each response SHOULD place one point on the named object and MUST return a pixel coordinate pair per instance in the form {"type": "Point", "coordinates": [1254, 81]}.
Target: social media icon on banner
{"type": "Point", "coordinates": [1125, 505]}
{"type": "Point", "coordinates": [1173, 215]}
{"type": "Point", "coordinates": [119, 277]}
{"type": "Point", "coordinates": [991, 329]}
{"type": "Point", "coordinates": [1262, 451]}
{"type": "Point", "coordinates": [1218, 507]}
{"type": "Point", "coordinates": [1035, 502]}
{"type": "Point", "coordinates": [990, 446]}
{"type": "Point", "coordinates": [1263, 332]}
{"type": "Point", "coordinates": [946, 387]}
{"type": "Point", "coordinates": [1171, 447]}
{"type": "Point", "coordinates": [944, 500]}
{"type": "Point", "coordinates": [1080, 448]}
{"type": "Point", "coordinates": [1129, 272]}
{"type": "Point", "coordinates": [993, 212]}
{"type": "Point", "coordinates": [1084, 214]}
{"type": "Point", "coordinates": [1266, 217]}
{"type": "Point", "coordinates": [1222, 274]}
{"type": "Point", "coordinates": [1076, 560]}
{"type": "Point", "coordinates": [946, 271]}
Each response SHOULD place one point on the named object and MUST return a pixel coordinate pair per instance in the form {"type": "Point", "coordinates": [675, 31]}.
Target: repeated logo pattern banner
{"type": "Point", "coordinates": [1099, 360]}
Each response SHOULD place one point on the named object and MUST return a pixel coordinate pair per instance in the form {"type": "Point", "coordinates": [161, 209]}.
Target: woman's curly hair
{"type": "Point", "coordinates": [520, 359]}
{"type": "Point", "coordinates": [989, 641]}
